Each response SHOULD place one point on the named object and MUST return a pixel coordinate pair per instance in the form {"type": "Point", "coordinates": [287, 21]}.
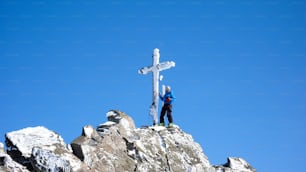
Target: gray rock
{"type": "Point", "coordinates": [107, 152]}
{"type": "Point", "coordinates": [169, 150]}
{"type": "Point", "coordinates": [9, 165]}
{"type": "Point", "coordinates": [47, 161]}
{"type": "Point", "coordinates": [235, 164]}
{"type": "Point", "coordinates": [114, 146]}
{"type": "Point", "coordinates": [125, 148]}
{"type": "Point", "coordinates": [20, 145]}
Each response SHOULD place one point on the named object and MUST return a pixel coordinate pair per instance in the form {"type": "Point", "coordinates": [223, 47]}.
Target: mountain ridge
{"type": "Point", "coordinates": [115, 145]}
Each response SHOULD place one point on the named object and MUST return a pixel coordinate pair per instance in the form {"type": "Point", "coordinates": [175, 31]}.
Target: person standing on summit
{"type": "Point", "coordinates": [168, 98]}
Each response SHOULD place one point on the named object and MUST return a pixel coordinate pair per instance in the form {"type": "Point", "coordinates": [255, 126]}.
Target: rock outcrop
{"type": "Point", "coordinates": [116, 145]}
{"type": "Point", "coordinates": [234, 165]}
{"type": "Point", "coordinates": [125, 148]}
{"type": "Point", "coordinates": [40, 149]}
{"type": "Point", "coordinates": [7, 164]}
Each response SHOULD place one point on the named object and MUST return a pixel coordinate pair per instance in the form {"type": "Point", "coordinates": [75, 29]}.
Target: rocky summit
{"type": "Point", "coordinates": [114, 146]}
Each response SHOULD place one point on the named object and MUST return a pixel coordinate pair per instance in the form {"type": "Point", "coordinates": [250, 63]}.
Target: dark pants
{"type": "Point", "coordinates": [166, 108]}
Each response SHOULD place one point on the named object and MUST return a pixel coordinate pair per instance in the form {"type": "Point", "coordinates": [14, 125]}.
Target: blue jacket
{"type": "Point", "coordinates": [168, 98]}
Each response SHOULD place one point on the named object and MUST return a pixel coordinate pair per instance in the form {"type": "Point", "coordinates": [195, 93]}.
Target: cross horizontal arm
{"type": "Point", "coordinates": [145, 70]}
{"type": "Point", "coordinates": [158, 67]}
{"type": "Point", "coordinates": [165, 65]}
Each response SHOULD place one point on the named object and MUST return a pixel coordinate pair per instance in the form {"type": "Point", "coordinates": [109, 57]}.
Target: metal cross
{"type": "Point", "coordinates": [155, 69]}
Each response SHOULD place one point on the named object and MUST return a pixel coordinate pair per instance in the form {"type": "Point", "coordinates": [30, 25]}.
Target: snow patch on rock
{"type": "Point", "coordinates": [27, 138]}
{"type": "Point", "coordinates": [11, 165]}
{"type": "Point", "coordinates": [116, 145]}
{"type": "Point", "coordinates": [88, 130]}
{"type": "Point", "coordinates": [108, 123]}
{"type": "Point", "coordinates": [110, 114]}
{"type": "Point", "coordinates": [22, 143]}
{"type": "Point", "coordinates": [238, 163]}
{"type": "Point", "coordinates": [44, 160]}
{"type": "Point", "coordinates": [234, 165]}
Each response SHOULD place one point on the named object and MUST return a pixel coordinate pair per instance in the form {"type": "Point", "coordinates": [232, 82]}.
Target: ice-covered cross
{"type": "Point", "coordinates": [155, 69]}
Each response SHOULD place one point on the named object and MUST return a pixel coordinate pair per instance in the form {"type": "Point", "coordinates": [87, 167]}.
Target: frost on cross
{"type": "Point", "coordinates": [155, 69]}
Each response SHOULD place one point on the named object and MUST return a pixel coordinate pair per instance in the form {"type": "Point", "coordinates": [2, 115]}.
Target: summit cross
{"type": "Point", "coordinates": [155, 69]}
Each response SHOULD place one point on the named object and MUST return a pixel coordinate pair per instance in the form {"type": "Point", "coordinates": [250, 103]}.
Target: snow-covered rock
{"type": "Point", "coordinates": [47, 161]}
{"type": "Point", "coordinates": [172, 149]}
{"type": "Point", "coordinates": [115, 145]}
{"type": "Point", "coordinates": [110, 151]}
{"type": "Point", "coordinates": [88, 130]}
{"type": "Point", "coordinates": [7, 164]}
{"type": "Point", "coordinates": [25, 139]}
{"type": "Point", "coordinates": [239, 163]}
{"type": "Point", "coordinates": [146, 149]}
{"type": "Point", "coordinates": [235, 164]}
{"type": "Point", "coordinates": [20, 146]}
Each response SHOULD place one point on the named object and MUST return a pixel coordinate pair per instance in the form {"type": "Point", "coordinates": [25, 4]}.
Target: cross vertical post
{"type": "Point", "coordinates": [155, 69]}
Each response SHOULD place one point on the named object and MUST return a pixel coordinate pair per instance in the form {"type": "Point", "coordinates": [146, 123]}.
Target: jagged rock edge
{"type": "Point", "coordinates": [138, 157]}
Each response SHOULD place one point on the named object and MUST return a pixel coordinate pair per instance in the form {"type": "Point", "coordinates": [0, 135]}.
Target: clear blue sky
{"type": "Point", "coordinates": [239, 77]}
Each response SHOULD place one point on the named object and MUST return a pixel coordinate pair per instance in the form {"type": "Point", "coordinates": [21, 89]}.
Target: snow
{"type": "Point", "coordinates": [9, 163]}
{"type": "Point", "coordinates": [88, 130]}
{"type": "Point", "coordinates": [165, 65]}
{"type": "Point", "coordinates": [110, 113]}
{"type": "Point", "coordinates": [69, 148]}
{"type": "Point", "coordinates": [113, 114]}
{"type": "Point", "coordinates": [27, 138]}
{"type": "Point", "coordinates": [1, 145]}
{"type": "Point", "coordinates": [126, 125]}
{"type": "Point", "coordinates": [49, 161]}
{"type": "Point", "coordinates": [131, 153]}
{"type": "Point", "coordinates": [158, 128]}
{"type": "Point", "coordinates": [237, 163]}
{"type": "Point", "coordinates": [162, 142]}
{"type": "Point", "coordinates": [108, 123]}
